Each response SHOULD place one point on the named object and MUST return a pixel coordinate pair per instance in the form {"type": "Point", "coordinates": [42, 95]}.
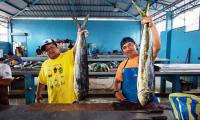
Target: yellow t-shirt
{"type": "Point", "coordinates": [58, 75]}
{"type": "Point", "coordinates": [18, 53]}
{"type": "Point", "coordinates": [13, 62]}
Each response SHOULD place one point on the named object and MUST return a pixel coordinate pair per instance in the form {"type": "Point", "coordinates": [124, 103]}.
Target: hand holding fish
{"type": "Point", "coordinates": [81, 82]}
{"type": "Point", "coordinates": [147, 20]}
{"type": "Point", "coordinates": [145, 77]}
{"type": "Point", "coordinates": [82, 31]}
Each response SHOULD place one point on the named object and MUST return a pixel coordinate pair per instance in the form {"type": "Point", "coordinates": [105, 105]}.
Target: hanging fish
{"type": "Point", "coordinates": [81, 82]}
{"type": "Point", "coordinates": [146, 68]}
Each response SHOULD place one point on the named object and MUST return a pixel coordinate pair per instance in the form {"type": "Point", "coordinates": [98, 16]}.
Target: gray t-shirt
{"type": "Point", "coordinates": [5, 71]}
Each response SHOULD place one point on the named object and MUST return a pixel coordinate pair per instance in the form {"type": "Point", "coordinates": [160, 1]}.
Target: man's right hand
{"type": "Point", "coordinates": [38, 98]}
{"type": "Point", "coordinates": [81, 32]}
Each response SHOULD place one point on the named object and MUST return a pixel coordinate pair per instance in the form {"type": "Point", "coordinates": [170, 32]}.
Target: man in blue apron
{"type": "Point", "coordinates": [126, 76]}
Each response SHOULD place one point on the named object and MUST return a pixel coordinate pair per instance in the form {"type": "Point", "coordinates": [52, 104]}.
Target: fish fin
{"type": "Point", "coordinates": [141, 12]}
{"type": "Point", "coordinates": [147, 8]}
{"type": "Point", "coordinates": [76, 21]}
{"type": "Point", "coordinates": [85, 20]}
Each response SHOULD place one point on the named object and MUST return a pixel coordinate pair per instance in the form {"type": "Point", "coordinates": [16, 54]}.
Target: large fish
{"type": "Point", "coordinates": [81, 82]}
{"type": "Point", "coordinates": [146, 68]}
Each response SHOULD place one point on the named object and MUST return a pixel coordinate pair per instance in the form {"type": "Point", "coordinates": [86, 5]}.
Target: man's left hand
{"type": "Point", "coordinates": [146, 20]}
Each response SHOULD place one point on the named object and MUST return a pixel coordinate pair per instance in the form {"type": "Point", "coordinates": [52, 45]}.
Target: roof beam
{"type": "Point", "coordinates": [25, 1]}
{"type": "Point", "coordinates": [153, 1]}
{"type": "Point", "coordinates": [167, 2]}
{"type": "Point", "coordinates": [128, 14]}
{"type": "Point", "coordinates": [185, 7]}
{"type": "Point", "coordinates": [157, 5]}
{"type": "Point", "coordinates": [75, 5]}
{"type": "Point", "coordinates": [92, 16]}
{"type": "Point", "coordinates": [167, 7]}
{"type": "Point", "coordinates": [6, 12]}
{"type": "Point", "coordinates": [129, 6]}
{"type": "Point", "coordinates": [159, 19]}
{"type": "Point", "coordinates": [123, 11]}
{"type": "Point", "coordinates": [149, 6]}
{"type": "Point", "coordinates": [29, 5]}
{"type": "Point", "coordinates": [14, 6]}
{"type": "Point", "coordinates": [69, 11]}
{"type": "Point", "coordinates": [179, 10]}
{"type": "Point", "coordinates": [161, 3]}
{"type": "Point", "coordinates": [2, 0]}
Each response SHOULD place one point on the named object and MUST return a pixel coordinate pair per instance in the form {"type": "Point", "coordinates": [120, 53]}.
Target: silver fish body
{"type": "Point", "coordinates": [81, 82]}
{"type": "Point", "coordinates": [146, 76]}
{"type": "Point", "coordinates": [145, 69]}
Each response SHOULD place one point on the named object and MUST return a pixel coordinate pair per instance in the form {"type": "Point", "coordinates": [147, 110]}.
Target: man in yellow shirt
{"type": "Point", "coordinates": [57, 73]}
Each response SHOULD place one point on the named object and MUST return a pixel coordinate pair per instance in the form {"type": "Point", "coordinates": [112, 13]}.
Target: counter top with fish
{"type": "Point", "coordinates": [178, 69]}
{"type": "Point", "coordinates": [86, 111]}
{"type": "Point", "coordinates": [172, 71]}
{"type": "Point", "coordinates": [165, 69]}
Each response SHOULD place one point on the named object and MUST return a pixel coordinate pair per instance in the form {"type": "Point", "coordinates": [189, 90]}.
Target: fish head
{"type": "Point", "coordinates": [146, 97]}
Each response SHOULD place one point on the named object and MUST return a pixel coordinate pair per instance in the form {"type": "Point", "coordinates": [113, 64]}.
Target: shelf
{"type": "Point", "coordinates": [105, 59]}
{"type": "Point", "coordinates": [34, 58]}
{"type": "Point", "coordinates": [90, 58]}
{"type": "Point", "coordinates": [108, 56]}
{"type": "Point", "coordinates": [99, 58]}
{"type": "Point", "coordinates": [102, 73]}
{"type": "Point", "coordinates": [36, 72]}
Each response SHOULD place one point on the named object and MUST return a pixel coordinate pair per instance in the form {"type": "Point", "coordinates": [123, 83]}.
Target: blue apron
{"type": "Point", "coordinates": [129, 85]}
